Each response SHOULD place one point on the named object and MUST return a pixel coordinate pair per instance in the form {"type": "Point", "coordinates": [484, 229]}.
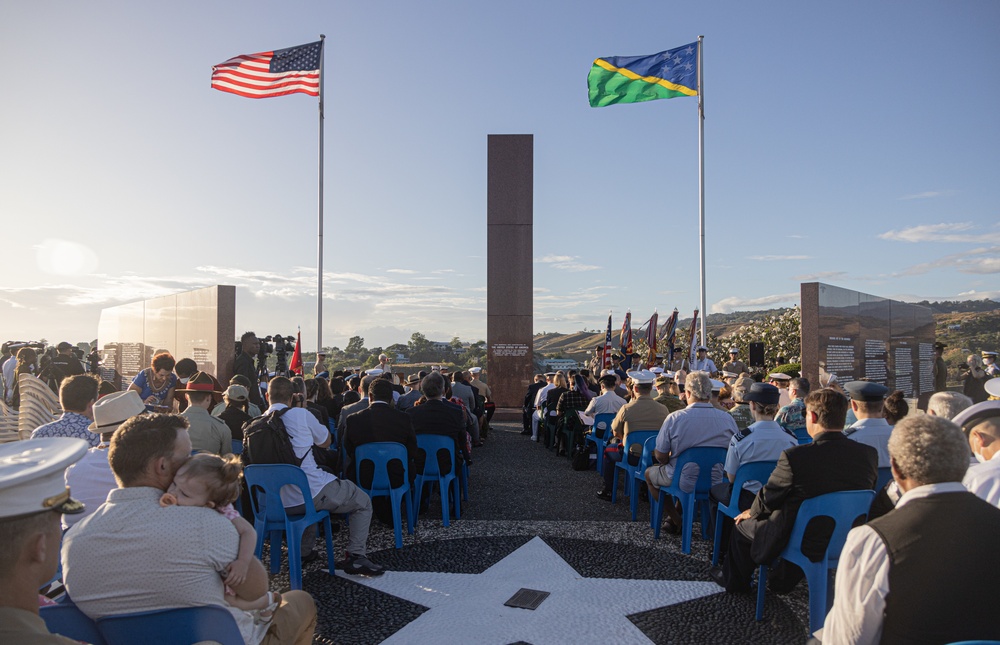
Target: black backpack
{"type": "Point", "coordinates": [266, 441]}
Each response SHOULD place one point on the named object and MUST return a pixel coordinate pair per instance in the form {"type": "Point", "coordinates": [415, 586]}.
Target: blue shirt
{"type": "Point", "coordinates": [71, 425]}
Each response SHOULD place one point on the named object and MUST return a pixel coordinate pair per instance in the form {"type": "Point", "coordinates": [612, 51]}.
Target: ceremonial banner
{"type": "Point", "coordinates": [669, 334]}
{"type": "Point", "coordinates": [694, 338]}
{"type": "Point", "coordinates": [651, 340]}
{"type": "Point", "coordinates": [625, 339]}
{"type": "Point", "coordinates": [606, 354]}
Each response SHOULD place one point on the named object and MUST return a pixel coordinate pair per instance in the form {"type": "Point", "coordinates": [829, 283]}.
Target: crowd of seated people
{"type": "Point", "coordinates": [932, 521]}
{"type": "Point", "coordinates": [154, 461]}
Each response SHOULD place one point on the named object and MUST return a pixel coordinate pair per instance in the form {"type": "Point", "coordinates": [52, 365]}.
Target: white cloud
{"type": "Point", "coordinates": [983, 261]}
{"type": "Point", "coordinates": [929, 194]}
{"type": "Point", "coordinates": [566, 263]}
{"type": "Point", "coordinates": [773, 258]}
{"type": "Point", "coordinates": [820, 275]}
{"type": "Point", "coordinates": [943, 232]}
{"type": "Point", "coordinates": [735, 303]}
{"type": "Point", "coordinates": [403, 271]}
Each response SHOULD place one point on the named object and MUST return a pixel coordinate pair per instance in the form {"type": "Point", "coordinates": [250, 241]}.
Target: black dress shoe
{"type": "Point", "coordinates": [604, 494]}
{"type": "Point", "coordinates": [717, 577]}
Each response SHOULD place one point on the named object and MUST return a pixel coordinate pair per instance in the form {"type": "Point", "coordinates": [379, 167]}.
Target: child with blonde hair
{"type": "Point", "coordinates": [211, 481]}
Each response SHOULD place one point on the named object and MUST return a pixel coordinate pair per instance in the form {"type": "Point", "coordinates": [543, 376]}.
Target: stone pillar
{"type": "Point", "coordinates": [509, 313]}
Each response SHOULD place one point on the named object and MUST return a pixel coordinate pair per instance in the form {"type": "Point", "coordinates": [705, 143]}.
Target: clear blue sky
{"type": "Point", "coordinates": [856, 143]}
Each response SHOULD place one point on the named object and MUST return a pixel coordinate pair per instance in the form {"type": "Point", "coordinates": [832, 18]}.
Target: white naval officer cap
{"type": "Point", "coordinates": [642, 377]}
{"type": "Point", "coordinates": [32, 476]}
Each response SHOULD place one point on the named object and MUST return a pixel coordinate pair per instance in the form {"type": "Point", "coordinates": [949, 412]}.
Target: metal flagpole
{"type": "Point", "coordinates": [319, 236]}
{"type": "Point", "coordinates": [701, 182]}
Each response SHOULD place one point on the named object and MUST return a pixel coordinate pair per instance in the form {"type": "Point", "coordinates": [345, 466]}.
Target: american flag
{"type": "Point", "coordinates": [606, 355]}
{"type": "Point", "coordinates": [267, 74]}
{"type": "Point", "coordinates": [694, 338]}
{"type": "Point", "coordinates": [651, 339]}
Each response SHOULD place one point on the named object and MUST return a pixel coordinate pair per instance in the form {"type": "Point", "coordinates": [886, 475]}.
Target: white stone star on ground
{"type": "Point", "coordinates": [469, 608]}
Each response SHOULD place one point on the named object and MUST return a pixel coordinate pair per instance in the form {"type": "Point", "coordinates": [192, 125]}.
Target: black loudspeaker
{"type": "Point", "coordinates": [756, 354]}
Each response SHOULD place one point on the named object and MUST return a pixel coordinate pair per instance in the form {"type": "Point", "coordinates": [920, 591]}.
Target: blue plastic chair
{"type": "Point", "coordinates": [67, 620]}
{"type": "Point", "coordinates": [803, 436]}
{"type": "Point", "coordinates": [706, 458]}
{"type": "Point", "coordinates": [331, 425]}
{"type": "Point", "coordinates": [264, 481]}
{"type": "Point", "coordinates": [181, 626]}
{"type": "Point", "coordinates": [463, 476]}
{"type": "Point", "coordinates": [380, 454]}
{"type": "Point", "coordinates": [237, 447]}
{"type": "Point", "coordinates": [634, 437]}
{"type": "Point", "coordinates": [639, 474]}
{"type": "Point", "coordinates": [431, 444]}
{"type": "Point", "coordinates": [843, 507]}
{"type": "Point", "coordinates": [754, 471]}
{"type": "Point", "coordinates": [884, 477]}
{"type": "Point", "coordinates": [600, 436]}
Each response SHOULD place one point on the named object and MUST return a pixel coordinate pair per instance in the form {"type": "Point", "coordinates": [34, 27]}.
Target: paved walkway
{"type": "Point", "coordinates": [533, 522]}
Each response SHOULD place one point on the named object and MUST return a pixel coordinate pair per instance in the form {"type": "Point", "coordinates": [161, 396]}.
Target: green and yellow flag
{"type": "Point", "coordinates": [633, 79]}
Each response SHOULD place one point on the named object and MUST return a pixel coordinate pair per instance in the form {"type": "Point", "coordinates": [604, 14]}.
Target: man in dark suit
{"type": "Point", "coordinates": [363, 386]}
{"type": "Point", "coordinates": [244, 365]}
{"type": "Point", "coordinates": [830, 463]}
{"type": "Point", "coordinates": [380, 421]}
{"type": "Point", "coordinates": [529, 402]}
{"type": "Point", "coordinates": [437, 416]}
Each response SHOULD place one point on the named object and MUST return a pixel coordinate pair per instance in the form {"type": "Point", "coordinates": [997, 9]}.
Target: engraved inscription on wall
{"type": "Point", "coordinates": [904, 370]}
{"type": "Point", "coordinates": [876, 361]}
{"type": "Point", "coordinates": [509, 349]}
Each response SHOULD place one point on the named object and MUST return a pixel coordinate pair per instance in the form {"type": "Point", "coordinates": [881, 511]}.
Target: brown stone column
{"type": "Point", "coordinates": [509, 313]}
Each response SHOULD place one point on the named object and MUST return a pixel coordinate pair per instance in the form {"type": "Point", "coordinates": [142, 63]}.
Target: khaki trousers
{"type": "Point", "coordinates": [294, 622]}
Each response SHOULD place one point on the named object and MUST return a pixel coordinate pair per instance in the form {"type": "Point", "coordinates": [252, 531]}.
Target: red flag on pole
{"type": "Point", "coordinates": [295, 366]}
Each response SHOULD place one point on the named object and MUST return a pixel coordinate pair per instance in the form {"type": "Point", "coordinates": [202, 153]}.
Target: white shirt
{"type": "Point", "coordinates": [8, 375]}
{"type": "Point", "coordinates": [704, 365]}
{"type": "Point", "coordinates": [874, 433]}
{"type": "Point", "coordinates": [863, 580]}
{"type": "Point", "coordinates": [765, 442]}
{"type": "Point", "coordinates": [132, 554]}
{"type": "Point", "coordinates": [89, 480]}
{"type": "Point", "coordinates": [540, 396]}
{"type": "Point", "coordinates": [983, 479]}
{"type": "Point", "coordinates": [305, 431]}
{"type": "Point", "coordinates": [607, 403]}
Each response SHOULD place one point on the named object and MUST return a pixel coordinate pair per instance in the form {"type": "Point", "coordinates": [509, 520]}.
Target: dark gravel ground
{"type": "Point", "coordinates": [518, 491]}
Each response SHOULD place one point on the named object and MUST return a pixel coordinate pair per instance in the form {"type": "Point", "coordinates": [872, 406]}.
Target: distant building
{"type": "Point", "coordinates": [554, 364]}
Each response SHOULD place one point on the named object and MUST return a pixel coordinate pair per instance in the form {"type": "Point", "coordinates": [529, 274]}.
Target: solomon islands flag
{"type": "Point", "coordinates": [633, 79]}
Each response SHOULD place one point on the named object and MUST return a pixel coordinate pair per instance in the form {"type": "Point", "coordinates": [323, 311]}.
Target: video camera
{"type": "Point", "coordinates": [13, 346]}
{"type": "Point", "coordinates": [282, 344]}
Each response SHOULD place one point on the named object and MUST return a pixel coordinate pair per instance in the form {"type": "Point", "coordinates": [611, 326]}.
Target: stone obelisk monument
{"type": "Point", "coordinates": [509, 267]}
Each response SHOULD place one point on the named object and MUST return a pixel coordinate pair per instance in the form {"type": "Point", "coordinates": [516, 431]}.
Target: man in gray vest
{"type": "Point", "coordinates": [907, 577]}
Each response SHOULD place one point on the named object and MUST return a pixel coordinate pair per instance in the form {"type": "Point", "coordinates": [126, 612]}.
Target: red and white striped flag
{"type": "Point", "coordinates": [274, 73]}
